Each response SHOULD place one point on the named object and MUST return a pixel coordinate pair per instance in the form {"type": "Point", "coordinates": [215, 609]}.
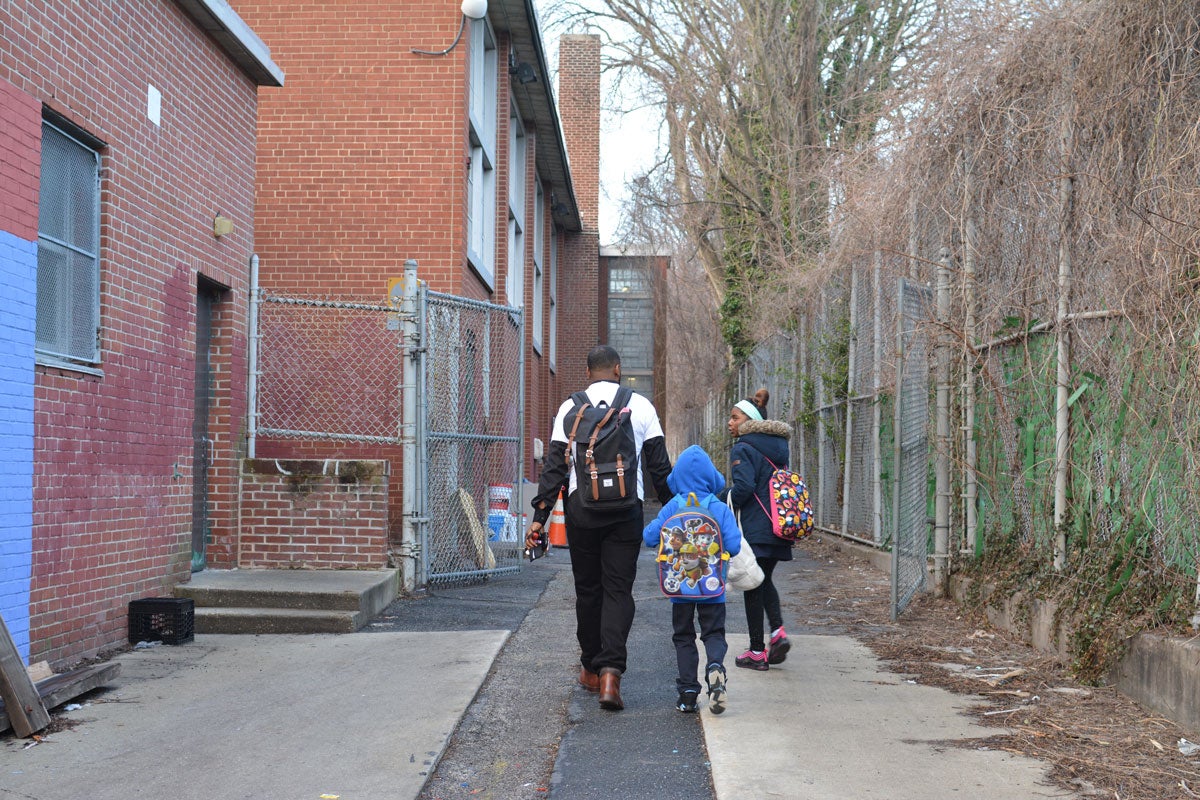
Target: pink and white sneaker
{"type": "Point", "coordinates": [753, 659]}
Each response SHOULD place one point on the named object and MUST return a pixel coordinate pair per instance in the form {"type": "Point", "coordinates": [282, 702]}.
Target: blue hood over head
{"type": "Point", "coordinates": [695, 472]}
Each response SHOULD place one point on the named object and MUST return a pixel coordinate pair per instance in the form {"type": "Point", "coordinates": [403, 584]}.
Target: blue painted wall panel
{"type": "Point", "coordinates": [18, 274]}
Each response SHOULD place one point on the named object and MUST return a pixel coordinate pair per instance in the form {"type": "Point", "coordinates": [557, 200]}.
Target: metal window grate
{"type": "Point", "coordinates": [68, 282]}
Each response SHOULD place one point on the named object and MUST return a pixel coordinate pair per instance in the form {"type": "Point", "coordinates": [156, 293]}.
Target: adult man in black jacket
{"type": "Point", "coordinates": [604, 545]}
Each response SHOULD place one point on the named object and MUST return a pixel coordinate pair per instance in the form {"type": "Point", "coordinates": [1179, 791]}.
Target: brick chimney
{"type": "Point", "coordinates": [579, 111]}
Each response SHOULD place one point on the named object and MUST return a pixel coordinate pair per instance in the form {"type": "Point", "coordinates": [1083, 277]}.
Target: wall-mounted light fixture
{"type": "Point", "coordinates": [222, 226]}
{"type": "Point", "coordinates": [471, 9]}
{"type": "Point", "coordinates": [524, 72]}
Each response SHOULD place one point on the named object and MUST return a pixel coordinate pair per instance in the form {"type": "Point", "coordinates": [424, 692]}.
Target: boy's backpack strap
{"type": "Point", "coordinates": [691, 499]}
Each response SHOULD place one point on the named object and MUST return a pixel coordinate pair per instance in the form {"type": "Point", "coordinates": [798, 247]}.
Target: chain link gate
{"type": "Point", "coordinates": [445, 374]}
{"type": "Point", "coordinates": [471, 394]}
{"type": "Point", "coordinates": [910, 545]}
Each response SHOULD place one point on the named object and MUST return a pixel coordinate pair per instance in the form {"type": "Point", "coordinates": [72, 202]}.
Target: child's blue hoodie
{"type": "Point", "coordinates": [694, 473]}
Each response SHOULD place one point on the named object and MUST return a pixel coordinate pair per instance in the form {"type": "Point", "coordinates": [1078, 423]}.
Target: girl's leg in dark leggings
{"type": "Point", "coordinates": [756, 599]}
{"type": "Point", "coordinates": [771, 598]}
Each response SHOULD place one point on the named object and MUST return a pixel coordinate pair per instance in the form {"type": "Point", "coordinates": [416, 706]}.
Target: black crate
{"type": "Point", "coordinates": [170, 620]}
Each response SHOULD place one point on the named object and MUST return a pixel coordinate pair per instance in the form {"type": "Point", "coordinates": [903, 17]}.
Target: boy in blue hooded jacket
{"type": "Point", "coordinates": [695, 474]}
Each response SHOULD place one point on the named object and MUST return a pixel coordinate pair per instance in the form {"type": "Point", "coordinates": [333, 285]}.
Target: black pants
{"type": "Point", "coordinates": [604, 563]}
{"type": "Point", "coordinates": [764, 598]}
{"type": "Point", "coordinates": [712, 633]}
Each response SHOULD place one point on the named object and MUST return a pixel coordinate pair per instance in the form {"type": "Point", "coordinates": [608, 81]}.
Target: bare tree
{"type": "Point", "coordinates": [759, 97]}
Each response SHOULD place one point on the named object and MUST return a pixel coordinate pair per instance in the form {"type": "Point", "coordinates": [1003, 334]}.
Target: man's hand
{"type": "Point", "coordinates": [533, 536]}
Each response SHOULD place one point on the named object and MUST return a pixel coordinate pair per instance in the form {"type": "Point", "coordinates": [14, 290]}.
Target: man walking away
{"type": "Point", "coordinates": [600, 438]}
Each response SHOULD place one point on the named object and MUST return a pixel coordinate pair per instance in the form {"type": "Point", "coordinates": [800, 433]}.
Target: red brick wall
{"type": "Point", "coordinates": [579, 109]}
{"type": "Point", "coordinates": [313, 514]}
{"type": "Point", "coordinates": [579, 324]}
{"type": "Point", "coordinates": [113, 452]}
{"type": "Point", "coordinates": [362, 153]}
{"type": "Point", "coordinates": [20, 157]}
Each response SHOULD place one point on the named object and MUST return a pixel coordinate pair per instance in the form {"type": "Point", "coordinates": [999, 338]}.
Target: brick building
{"type": "Point", "coordinates": [389, 144]}
{"type": "Point", "coordinates": [126, 140]}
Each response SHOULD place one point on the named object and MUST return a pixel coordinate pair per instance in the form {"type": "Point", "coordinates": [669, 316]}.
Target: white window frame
{"type": "Point", "coordinates": [539, 237]}
{"type": "Point", "coordinates": [515, 286]}
{"type": "Point", "coordinates": [552, 334]}
{"type": "Point", "coordinates": [481, 171]}
{"type": "Point", "coordinates": [70, 340]}
{"type": "Point", "coordinates": [517, 142]}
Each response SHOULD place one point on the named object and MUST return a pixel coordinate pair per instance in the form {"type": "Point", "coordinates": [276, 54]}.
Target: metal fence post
{"type": "Point", "coordinates": [970, 483]}
{"type": "Point", "coordinates": [876, 407]}
{"type": "Point", "coordinates": [1062, 412]}
{"type": "Point", "coordinates": [851, 387]}
{"type": "Point", "coordinates": [408, 425]}
{"type": "Point", "coordinates": [941, 524]}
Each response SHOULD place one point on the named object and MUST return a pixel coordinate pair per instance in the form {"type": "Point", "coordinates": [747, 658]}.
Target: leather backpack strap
{"type": "Point", "coordinates": [591, 461]}
{"type": "Point", "coordinates": [584, 405]}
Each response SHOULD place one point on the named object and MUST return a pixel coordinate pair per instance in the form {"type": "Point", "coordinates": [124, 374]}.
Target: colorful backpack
{"type": "Point", "coordinates": [791, 511]}
{"type": "Point", "coordinates": [691, 554]}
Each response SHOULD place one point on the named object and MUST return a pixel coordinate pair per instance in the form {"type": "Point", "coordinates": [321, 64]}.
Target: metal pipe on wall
{"type": "Point", "coordinates": [252, 358]}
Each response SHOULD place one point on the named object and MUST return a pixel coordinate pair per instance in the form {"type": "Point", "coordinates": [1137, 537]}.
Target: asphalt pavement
{"type": "Point", "coordinates": [469, 692]}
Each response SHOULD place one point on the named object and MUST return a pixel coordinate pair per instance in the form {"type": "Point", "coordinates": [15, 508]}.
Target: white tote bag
{"type": "Point", "coordinates": [744, 572]}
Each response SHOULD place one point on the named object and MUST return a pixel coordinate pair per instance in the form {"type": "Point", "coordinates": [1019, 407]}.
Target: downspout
{"type": "Point", "coordinates": [252, 357]}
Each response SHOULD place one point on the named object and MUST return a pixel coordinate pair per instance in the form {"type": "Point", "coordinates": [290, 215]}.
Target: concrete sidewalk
{"type": "Point", "coordinates": [298, 717]}
{"type": "Point", "coordinates": [830, 724]}
{"type": "Point", "coordinates": [366, 716]}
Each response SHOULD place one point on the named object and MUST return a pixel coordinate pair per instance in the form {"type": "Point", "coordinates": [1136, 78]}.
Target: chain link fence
{"type": "Point", "coordinates": [910, 549]}
{"type": "Point", "coordinates": [330, 375]}
{"type": "Point", "coordinates": [327, 370]}
{"type": "Point", "coordinates": [472, 412]}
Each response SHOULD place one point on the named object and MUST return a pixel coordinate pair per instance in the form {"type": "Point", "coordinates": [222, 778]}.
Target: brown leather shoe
{"type": "Point", "coordinates": [610, 689]}
{"type": "Point", "coordinates": [589, 680]}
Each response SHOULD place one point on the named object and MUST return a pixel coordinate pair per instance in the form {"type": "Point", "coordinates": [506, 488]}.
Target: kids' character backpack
{"type": "Point", "coordinates": [691, 554]}
{"type": "Point", "coordinates": [791, 511]}
{"type": "Point", "coordinates": [603, 452]}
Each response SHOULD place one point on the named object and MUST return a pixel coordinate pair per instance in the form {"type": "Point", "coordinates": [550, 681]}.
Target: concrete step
{"type": "Point", "coordinates": [277, 620]}
{"type": "Point", "coordinates": [288, 601]}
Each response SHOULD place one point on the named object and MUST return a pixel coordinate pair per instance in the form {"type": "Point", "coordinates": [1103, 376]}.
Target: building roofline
{"type": "Point", "coordinates": [235, 37]}
{"type": "Point", "coordinates": [536, 102]}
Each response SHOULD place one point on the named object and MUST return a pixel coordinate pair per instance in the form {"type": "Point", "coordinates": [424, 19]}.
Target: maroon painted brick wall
{"type": "Point", "coordinates": [113, 452]}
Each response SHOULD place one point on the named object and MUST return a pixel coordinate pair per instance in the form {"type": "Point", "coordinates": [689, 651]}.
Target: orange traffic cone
{"type": "Point", "coordinates": [558, 524]}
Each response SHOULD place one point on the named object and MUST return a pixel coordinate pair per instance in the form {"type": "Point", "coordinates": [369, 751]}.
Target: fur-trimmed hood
{"type": "Point", "coordinates": [771, 427]}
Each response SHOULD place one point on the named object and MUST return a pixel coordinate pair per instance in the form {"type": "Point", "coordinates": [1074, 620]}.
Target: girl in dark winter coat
{"type": "Point", "coordinates": [760, 447]}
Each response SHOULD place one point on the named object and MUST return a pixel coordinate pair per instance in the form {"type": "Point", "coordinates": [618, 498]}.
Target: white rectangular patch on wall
{"type": "Point", "coordinates": [154, 105]}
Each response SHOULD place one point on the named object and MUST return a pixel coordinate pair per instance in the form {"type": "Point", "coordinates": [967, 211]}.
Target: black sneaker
{"type": "Point", "coordinates": [716, 688]}
{"type": "Point", "coordinates": [687, 701]}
